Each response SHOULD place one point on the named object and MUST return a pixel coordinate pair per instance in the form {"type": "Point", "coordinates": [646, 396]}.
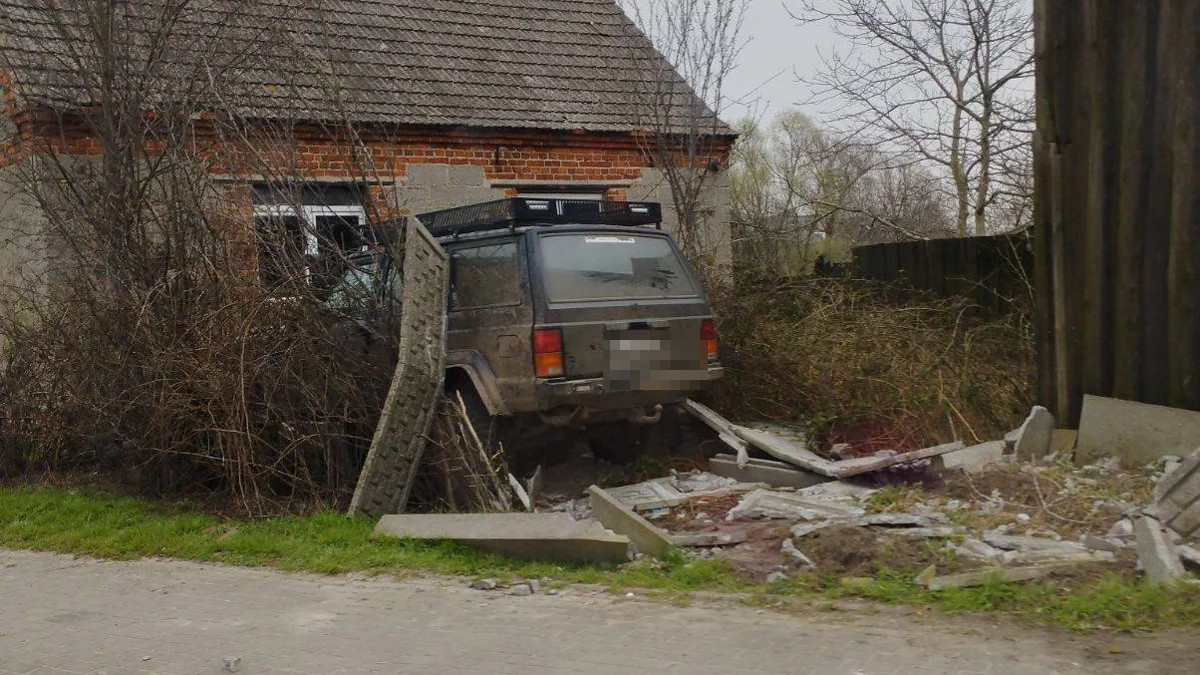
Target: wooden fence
{"type": "Point", "coordinates": [994, 272]}
{"type": "Point", "coordinates": [1117, 164]}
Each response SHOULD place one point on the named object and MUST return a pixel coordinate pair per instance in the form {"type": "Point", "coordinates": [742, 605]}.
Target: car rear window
{"type": "Point", "coordinates": [612, 266]}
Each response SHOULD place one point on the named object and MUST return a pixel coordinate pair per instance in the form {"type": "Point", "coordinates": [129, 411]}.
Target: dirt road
{"type": "Point", "coordinates": [65, 615]}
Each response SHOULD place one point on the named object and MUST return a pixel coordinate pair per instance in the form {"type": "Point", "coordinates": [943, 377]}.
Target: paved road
{"type": "Point", "coordinates": [65, 615]}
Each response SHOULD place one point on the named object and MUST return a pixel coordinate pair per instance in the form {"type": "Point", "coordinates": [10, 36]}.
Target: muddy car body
{"type": "Point", "coordinates": [571, 313]}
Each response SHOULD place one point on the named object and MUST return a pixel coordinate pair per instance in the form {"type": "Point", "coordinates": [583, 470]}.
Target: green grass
{"type": "Point", "coordinates": [106, 526]}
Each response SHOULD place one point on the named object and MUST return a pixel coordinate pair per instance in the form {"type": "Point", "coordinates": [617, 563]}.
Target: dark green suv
{"type": "Point", "coordinates": [570, 314]}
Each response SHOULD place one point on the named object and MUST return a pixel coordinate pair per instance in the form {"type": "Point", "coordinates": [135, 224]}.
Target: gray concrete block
{"type": "Point", "coordinates": [529, 536]}
{"type": "Point", "coordinates": [1157, 554]}
{"type": "Point", "coordinates": [1136, 433]}
{"type": "Point", "coordinates": [1034, 436]}
{"type": "Point", "coordinates": [973, 459]}
{"type": "Point", "coordinates": [620, 519]}
{"type": "Point", "coordinates": [775, 474]}
{"type": "Point", "coordinates": [422, 175]}
{"type": "Point", "coordinates": [1177, 497]}
{"type": "Point", "coordinates": [467, 176]}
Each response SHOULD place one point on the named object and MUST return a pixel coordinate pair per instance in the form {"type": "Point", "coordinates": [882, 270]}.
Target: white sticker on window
{"type": "Point", "coordinates": [609, 240]}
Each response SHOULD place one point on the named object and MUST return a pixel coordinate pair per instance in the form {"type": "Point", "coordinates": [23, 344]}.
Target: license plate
{"type": "Point", "coordinates": [652, 360]}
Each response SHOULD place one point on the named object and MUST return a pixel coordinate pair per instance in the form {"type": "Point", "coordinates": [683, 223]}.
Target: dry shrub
{"type": "Point", "coordinates": [854, 366]}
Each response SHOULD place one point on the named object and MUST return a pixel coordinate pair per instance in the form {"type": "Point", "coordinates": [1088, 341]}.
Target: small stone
{"type": "Point", "coordinates": [145, 658]}
{"type": "Point", "coordinates": [485, 585]}
{"type": "Point", "coordinates": [1121, 529]}
{"type": "Point", "coordinates": [232, 664]}
{"type": "Point", "coordinates": [926, 575]}
{"type": "Point", "coordinates": [521, 590]}
{"type": "Point", "coordinates": [533, 585]}
{"type": "Point", "coordinates": [776, 577]}
{"type": "Point", "coordinates": [788, 548]}
{"type": "Point", "coordinates": [1023, 518]}
{"type": "Point", "coordinates": [1095, 543]}
{"type": "Point", "coordinates": [629, 595]}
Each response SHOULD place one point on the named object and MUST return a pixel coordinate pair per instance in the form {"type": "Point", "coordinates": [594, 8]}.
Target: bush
{"type": "Point", "coordinates": [842, 358]}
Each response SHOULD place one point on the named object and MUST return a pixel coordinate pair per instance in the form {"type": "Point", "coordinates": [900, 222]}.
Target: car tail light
{"type": "Point", "coordinates": [708, 338]}
{"type": "Point", "coordinates": [548, 352]}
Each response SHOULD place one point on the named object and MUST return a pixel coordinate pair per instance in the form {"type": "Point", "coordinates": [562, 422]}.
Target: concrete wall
{"type": "Point", "coordinates": [714, 239]}
{"type": "Point", "coordinates": [22, 233]}
{"type": "Point", "coordinates": [429, 187]}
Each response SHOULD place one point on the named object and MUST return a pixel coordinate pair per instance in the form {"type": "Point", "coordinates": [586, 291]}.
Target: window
{"type": "Point", "coordinates": [485, 276]}
{"type": "Point", "coordinates": [309, 243]}
{"type": "Point", "coordinates": [605, 266]}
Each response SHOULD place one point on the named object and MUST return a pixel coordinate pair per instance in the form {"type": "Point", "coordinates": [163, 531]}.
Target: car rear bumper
{"type": "Point", "coordinates": [594, 395]}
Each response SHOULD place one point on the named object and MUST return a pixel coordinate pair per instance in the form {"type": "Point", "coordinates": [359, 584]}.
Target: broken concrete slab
{"type": "Point", "coordinates": [620, 519]}
{"type": "Point", "coordinates": [1189, 556]}
{"type": "Point", "coordinates": [1177, 497]}
{"type": "Point", "coordinates": [710, 539]}
{"type": "Point", "coordinates": [1135, 432]}
{"type": "Point", "coordinates": [1032, 442]}
{"type": "Point", "coordinates": [788, 548]}
{"type": "Point", "coordinates": [993, 575]}
{"type": "Point", "coordinates": [790, 506]}
{"type": "Point", "coordinates": [775, 474]}
{"type": "Point", "coordinates": [1159, 557]}
{"type": "Point", "coordinates": [723, 428]}
{"type": "Point", "coordinates": [973, 459]}
{"type": "Point", "coordinates": [797, 453]}
{"type": "Point", "coordinates": [1044, 556]}
{"type": "Point", "coordinates": [893, 520]}
{"type": "Point", "coordinates": [979, 550]}
{"type": "Point", "coordinates": [802, 530]}
{"type": "Point", "coordinates": [668, 492]}
{"type": "Point", "coordinates": [1095, 543]}
{"type": "Point", "coordinates": [942, 532]}
{"type": "Point", "coordinates": [529, 536]}
{"type": "Point", "coordinates": [1011, 542]}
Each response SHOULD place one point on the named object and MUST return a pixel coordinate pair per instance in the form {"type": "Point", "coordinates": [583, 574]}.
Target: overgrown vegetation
{"type": "Point", "coordinates": [854, 366]}
{"type": "Point", "coordinates": [89, 523]}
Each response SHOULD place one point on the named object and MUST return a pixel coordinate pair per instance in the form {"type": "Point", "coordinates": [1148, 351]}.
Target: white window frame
{"type": "Point", "coordinates": [308, 217]}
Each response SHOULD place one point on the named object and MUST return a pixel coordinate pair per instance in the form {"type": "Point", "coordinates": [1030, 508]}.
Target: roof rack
{"type": "Point", "coordinates": [518, 211]}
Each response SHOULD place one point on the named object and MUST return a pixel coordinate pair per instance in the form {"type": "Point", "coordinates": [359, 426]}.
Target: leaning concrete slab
{"type": "Point", "coordinates": [775, 474]}
{"type": "Point", "coordinates": [723, 428]}
{"type": "Point", "coordinates": [797, 453]}
{"type": "Point", "coordinates": [529, 536]}
{"type": "Point", "coordinates": [392, 462]}
{"type": "Point", "coordinates": [621, 519]}
{"type": "Point", "coordinates": [1157, 554]}
{"type": "Point", "coordinates": [1177, 497]}
{"type": "Point", "coordinates": [1033, 438]}
{"type": "Point", "coordinates": [770, 504]}
{"type": "Point", "coordinates": [1135, 432]}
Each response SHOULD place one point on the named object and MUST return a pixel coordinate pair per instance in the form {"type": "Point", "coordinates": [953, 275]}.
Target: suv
{"type": "Point", "coordinates": [571, 314]}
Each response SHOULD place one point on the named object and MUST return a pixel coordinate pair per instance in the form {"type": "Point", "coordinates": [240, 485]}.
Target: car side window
{"type": "Point", "coordinates": [485, 276]}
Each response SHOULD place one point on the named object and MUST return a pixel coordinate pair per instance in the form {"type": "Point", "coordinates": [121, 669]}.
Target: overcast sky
{"type": "Point", "coordinates": [778, 49]}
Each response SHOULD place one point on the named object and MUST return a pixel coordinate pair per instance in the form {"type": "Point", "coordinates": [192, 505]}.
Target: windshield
{"type": "Point", "coordinates": [612, 267]}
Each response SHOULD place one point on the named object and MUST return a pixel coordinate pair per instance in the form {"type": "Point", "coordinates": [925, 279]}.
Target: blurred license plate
{"type": "Point", "coordinates": [652, 360]}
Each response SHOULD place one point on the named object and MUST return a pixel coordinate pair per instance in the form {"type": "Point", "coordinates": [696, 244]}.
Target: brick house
{"type": "Point", "coordinates": [450, 102]}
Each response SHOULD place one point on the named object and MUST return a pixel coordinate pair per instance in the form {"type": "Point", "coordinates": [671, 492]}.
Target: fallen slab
{"type": "Point", "coordinates": [669, 492]}
{"type": "Point", "coordinates": [775, 474]}
{"type": "Point", "coordinates": [994, 575]}
{"type": "Point", "coordinates": [529, 536]}
{"type": "Point", "coordinates": [1135, 432]}
{"type": "Point", "coordinates": [1177, 497]}
{"type": "Point", "coordinates": [1011, 542]}
{"type": "Point", "coordinates": [621, 519]}
{"type": "Point", "coordinates": [723, 428]}
{"type": "Point", "coordinates": [790, 506]}
{"type": "Point", "coordinates": [1044, 556]}
{"type": "Point", "coordinates": [798, 454]}
{"type": "Point", "coordinates": [710, 539]}
{"type": "Point", "coordinates": [974, 459]}
{"type": "Point", "coordinates": [1157, 554]}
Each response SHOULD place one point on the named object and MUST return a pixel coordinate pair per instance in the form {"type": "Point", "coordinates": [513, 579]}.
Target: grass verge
{"type": "Point", "coordinates": [106, 526]}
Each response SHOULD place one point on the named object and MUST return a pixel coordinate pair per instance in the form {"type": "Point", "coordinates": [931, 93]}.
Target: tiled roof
{"type": "Point", "coordinates": [534, 64]}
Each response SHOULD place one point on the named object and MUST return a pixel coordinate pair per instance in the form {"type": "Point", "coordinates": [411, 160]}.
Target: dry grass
{"type": "Point", "coordinates": [858, 368]}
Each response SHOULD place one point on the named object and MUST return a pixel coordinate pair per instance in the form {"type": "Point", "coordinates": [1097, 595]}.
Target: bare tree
{"type": "Point", "coordinates": [148, 345]}
{"type": "Point", "coordinates": [699, 41]}
{"type": "Point", "coordinates": [941, 82]}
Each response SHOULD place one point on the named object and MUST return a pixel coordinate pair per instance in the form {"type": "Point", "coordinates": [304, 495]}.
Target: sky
{"type": "Point", "coordinates": [776, 52]}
